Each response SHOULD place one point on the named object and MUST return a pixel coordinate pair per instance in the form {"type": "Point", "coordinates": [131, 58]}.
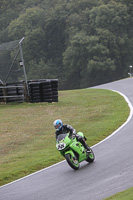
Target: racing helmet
{"type": "Point", "coordinates": [58, 124]}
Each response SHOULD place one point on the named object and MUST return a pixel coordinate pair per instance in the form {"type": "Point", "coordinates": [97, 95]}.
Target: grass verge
{"type": "Point", "coordinates": [125, 195]}
{"type": "Point", "coordinates": [27, 141]}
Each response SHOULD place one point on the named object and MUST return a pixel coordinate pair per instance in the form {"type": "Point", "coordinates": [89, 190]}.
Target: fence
{"type": "Point", "coordinates": [12, 92]}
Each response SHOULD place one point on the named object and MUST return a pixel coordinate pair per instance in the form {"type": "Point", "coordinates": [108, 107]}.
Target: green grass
{"type": "Point", "coordinates": [125, 195]}
{"type": "Point", "coordinates": [27, 139]}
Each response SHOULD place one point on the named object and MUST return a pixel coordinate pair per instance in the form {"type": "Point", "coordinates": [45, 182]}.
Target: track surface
{"type": "Point", "coordinates": [111, 172]}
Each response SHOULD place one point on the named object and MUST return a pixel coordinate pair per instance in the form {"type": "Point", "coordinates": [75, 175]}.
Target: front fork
{"type": "Point", "coordinates": [71, 153]}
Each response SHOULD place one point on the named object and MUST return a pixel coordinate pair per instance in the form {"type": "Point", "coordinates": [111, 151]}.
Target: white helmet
{"type": "Point", "coordinates": [58, 124]}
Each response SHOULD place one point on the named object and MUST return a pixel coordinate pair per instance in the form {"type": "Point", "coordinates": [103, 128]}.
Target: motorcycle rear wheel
{"type": "Point", "coordinates": [73, 162]}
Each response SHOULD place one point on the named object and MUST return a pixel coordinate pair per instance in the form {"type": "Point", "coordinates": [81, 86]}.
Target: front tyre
{"type": "Point", "coordinates": [73, 162]}
{"type": "Point", "coordinates": [90, 157]}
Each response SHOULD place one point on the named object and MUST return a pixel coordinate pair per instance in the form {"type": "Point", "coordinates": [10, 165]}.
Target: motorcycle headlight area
{"type": "Point", "coordinates": [61, 146]}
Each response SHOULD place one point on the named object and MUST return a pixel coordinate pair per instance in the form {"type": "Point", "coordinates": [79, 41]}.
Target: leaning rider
{"type": "Point", "coordinates": [61, 129]}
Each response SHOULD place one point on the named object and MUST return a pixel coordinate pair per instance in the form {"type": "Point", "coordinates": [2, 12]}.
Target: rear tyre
{"type": "Point", "coordinates": [91, 157]}
{"type": "Point", "coordinates": [73, 162]}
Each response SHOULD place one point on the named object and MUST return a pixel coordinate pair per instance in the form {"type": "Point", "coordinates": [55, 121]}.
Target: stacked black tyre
{"type": "Point", "coordinates": [46, 91]}
{"type": "Point", "coordinates": [43, 91]}
{"type": "Point", "coordinates": [34, 92]}
{"type": "Point", "coordinates": [54, 87]}
{"type": "Point", "coordinates": [16, 92]}
{"type": "Point", "coordinates": [1, 94]}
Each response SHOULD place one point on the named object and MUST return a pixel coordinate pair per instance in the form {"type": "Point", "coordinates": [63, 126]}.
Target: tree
{"type": "Point", "coordinates": [110, 23]}
{"type": "Point", "coordinates": [75, 61]}
{"type": "Point", "coordinates": [31, 26]}
{"type": "Point", "coordinates": [81, 42]}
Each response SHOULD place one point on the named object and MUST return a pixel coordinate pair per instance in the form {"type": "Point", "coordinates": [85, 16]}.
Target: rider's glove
{"type": "Point", "coordinates": [74, 133]}
{"type": "Point", "coordinates": [79, 138]}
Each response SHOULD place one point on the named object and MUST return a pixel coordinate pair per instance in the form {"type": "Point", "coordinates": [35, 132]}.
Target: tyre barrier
{"type": "Point", "coordinates": [43, 90]}
{"type": "Point", "coordinates": [15, 91]}
{"type": "Point", "coordinates": [1, 94]}
{"type": "Point", "coordinates": [12, 92]}
{"type": "Point", "coordinates": [34, 92]}
{"type": "Point", "coordinates": [54, 86]}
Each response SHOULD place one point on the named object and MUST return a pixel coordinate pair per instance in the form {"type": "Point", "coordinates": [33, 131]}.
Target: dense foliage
{"type": "Point", "coordinates": [80, 42]}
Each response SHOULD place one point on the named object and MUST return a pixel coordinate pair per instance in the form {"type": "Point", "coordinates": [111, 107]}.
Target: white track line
{"type": "Point", "coordinates": [128, 119]}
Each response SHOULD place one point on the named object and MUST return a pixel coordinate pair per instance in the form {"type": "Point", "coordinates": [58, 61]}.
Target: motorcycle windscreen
{"type": "Point", "coordinates": [61, 137]}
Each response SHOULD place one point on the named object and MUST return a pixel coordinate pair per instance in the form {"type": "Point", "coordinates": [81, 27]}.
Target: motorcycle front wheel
{"type": "Point", "coordinates": [73, 162]}
{"type": "Point", "coordinates": [91, 157]}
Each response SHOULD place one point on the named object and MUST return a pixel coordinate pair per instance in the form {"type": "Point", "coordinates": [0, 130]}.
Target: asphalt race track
{"type": "Point", "coordinates": [111, 172]}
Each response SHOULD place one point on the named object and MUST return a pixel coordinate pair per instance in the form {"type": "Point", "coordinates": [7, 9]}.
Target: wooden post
{"type": "Point", "coordinates": [26, 96]}
{"type": "Point", "coordinates": [4, 94]}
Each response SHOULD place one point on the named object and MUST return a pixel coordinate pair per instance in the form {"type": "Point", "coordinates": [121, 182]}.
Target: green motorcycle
{"type": "Point", "coordinates": [73, 151]}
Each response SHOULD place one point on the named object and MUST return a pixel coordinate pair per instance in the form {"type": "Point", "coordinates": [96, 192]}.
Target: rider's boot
{"type": "Point", "coordinates": [82, 140]}
{"type": "Point", "coordinates": [86, 146]}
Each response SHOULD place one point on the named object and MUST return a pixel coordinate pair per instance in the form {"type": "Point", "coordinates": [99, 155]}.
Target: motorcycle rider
{"type": "Point", "coordinates": [60, 128]}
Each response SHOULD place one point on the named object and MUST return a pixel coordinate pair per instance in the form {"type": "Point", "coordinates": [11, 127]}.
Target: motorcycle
{"type": "Point", "coordinates": [73, 151]}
